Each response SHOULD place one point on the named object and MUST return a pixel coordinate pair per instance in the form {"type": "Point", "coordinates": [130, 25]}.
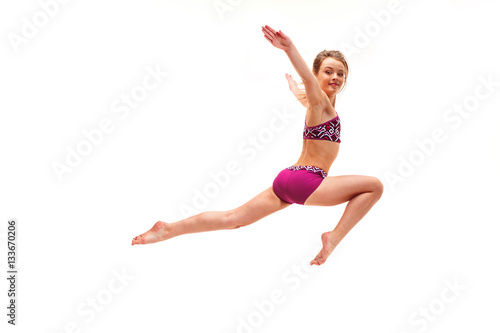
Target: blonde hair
{"type": "Point", "coordinates": [337, 55]}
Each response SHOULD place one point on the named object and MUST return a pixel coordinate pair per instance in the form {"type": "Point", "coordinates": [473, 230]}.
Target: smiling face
{"type": "Point", "coordinates": [331, 76]}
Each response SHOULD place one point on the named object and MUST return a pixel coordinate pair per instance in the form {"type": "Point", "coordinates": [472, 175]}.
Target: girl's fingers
{"type": "Point", "coordinates": [268, 34]}
{"type": "Point", "coordinates": [275, 38]}
{"type": "Point", "coordinates": [267, 31]}
{"type": "Point", "coordinates": [270, 29]}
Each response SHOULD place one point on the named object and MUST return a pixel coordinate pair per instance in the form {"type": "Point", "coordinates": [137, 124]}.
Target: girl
{"type": "Point", "coordinates": [305, 182]}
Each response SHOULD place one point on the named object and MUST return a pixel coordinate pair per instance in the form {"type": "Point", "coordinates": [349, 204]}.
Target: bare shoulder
{"type": "Point", "coordinates": [320, 112]}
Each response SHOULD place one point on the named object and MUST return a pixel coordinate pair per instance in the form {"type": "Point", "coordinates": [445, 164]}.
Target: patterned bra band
{"type": "Point", "coordinates": [329, 130]}
{"type": "Point", "coordinates": [308, 168]}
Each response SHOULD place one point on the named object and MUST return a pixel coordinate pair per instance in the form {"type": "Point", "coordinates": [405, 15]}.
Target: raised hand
{"type": "Point", "coordinates": [277, 38]}
{"type": "Point", "coordinates": [298, 93]}
{"type": "Point", "coordinates": [291, 82]}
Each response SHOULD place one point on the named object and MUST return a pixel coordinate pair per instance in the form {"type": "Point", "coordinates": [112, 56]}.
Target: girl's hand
{"type": "Point", "coordinates": [298, 93]}
{"type": "Point", "coordinates": [291, 82]}
{"type": "Point", "coordinates": [277, 38]}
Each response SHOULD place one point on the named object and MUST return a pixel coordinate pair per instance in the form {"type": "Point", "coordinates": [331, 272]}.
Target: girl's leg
{"type": "Point", "coordinates": [262, 205]}
{"type": "Point", "coordinates": [362, 192]}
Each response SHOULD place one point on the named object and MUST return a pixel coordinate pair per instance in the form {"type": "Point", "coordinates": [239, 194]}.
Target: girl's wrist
{"type": "Point", "coordinates": [287, 49]}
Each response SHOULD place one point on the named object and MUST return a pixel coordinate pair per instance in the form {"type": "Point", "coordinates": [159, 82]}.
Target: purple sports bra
{"type": "Point", "coordinates": [329, 131]}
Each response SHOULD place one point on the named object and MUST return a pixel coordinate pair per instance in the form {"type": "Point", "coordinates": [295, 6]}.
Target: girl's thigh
{"type": "Point", "coordinates": [337, 190]}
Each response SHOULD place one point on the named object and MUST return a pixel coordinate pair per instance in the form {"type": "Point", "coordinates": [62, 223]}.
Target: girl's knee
{"type": "Point", "coordinates": [377, 186]}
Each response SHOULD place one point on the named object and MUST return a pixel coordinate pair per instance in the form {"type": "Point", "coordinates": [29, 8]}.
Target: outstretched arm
{"type": "Point", "coordinates": [315, 96]}
{"type": "Point", "coordinates": [299, 93]}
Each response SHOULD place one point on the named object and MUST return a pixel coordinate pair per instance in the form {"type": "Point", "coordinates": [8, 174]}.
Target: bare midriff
{"type": "Point", "coordinates": [318, 153]}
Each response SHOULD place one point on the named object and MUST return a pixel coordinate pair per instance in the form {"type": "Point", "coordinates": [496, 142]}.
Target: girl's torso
{"type": "Point", "coordinates": [321, 142]}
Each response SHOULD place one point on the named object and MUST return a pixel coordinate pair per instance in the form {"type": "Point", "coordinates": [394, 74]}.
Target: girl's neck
{"type": "Point", "coordinates": [332, 100]}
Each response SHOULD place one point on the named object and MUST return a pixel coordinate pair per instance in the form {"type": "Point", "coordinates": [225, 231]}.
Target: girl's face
{"type": "Point", "coordinates": [331, 76]}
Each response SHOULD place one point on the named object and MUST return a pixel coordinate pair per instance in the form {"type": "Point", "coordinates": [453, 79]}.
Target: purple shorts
{"type": "Point", "coordinates": [296, 183]}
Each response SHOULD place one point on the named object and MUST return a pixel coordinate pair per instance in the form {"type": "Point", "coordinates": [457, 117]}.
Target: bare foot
{"type": "Point", "coordinates": [159, 232]}
{"type": "Point", "coordinates": [328, 247]}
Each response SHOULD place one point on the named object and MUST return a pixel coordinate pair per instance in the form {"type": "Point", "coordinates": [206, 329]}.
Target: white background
{"type": "Point", "coordinates": [225, 84]}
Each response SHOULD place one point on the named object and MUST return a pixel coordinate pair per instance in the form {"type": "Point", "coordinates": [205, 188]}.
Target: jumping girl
{"type": "Point", "coordinates": [305, 182]}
